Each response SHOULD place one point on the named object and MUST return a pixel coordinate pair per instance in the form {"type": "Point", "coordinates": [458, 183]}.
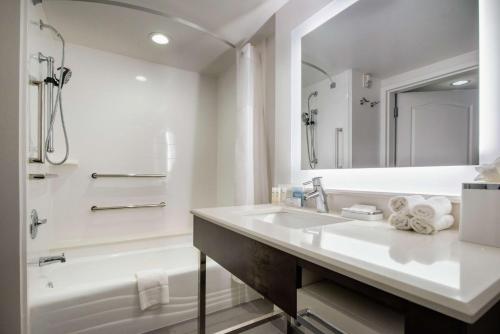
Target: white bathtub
{"type": "Point", "coordinates": [98, 294]}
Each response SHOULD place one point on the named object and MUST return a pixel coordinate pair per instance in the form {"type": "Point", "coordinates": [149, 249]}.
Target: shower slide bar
{"type": "Point", "coordinates": [135, 206]}
{"type": "Point", "coordinates": [97, 175]}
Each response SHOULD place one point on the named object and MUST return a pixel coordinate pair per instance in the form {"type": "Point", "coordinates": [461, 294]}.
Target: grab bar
{"type": "Point", "coordinates": [40, 135]}
{"type": "Point", "coordinates": [339, 142]}
{"type": "Point", "coordinates": [97, 175]}
{"type": "Point", "coordinates": [136, 206]}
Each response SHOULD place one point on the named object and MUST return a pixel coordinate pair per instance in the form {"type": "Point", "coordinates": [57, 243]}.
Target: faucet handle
{"type": "Point", "coordinates": [315, 181]}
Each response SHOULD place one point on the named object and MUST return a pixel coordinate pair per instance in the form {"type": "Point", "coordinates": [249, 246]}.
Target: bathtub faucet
{"type": "Point", "coordinates": [45, 260]}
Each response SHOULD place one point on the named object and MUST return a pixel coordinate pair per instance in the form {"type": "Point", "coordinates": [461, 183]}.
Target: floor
{"type": "Point", "coordinates": [227, 318]}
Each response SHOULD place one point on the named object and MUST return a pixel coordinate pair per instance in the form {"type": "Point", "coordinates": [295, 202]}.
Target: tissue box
{"type": "Point", "coordinates": [480, 213]}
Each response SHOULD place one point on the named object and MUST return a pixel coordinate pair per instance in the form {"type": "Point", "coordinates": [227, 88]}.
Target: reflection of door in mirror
{"type": "Point", "coordinates": [424, 53]}
{"type": "Point", "coordinates": [437, 128]}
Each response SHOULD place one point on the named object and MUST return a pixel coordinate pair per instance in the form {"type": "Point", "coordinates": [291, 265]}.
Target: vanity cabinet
{"type": "Point", "coordinates": [277, 275]}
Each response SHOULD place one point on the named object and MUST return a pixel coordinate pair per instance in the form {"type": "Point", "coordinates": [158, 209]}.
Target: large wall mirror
{"type": "Point", "coordinates": [392, 83]}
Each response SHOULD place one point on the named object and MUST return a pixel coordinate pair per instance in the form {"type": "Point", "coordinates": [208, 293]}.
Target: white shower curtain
{"type": "Point", "coordinates": [252, 178]}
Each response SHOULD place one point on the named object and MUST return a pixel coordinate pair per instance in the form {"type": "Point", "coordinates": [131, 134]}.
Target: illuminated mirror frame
{"type": "Point", "coordinates": [426, 180]}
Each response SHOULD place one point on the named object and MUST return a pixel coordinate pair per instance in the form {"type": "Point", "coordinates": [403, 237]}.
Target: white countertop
{"type": "Point", "coordinates": [457, 278]}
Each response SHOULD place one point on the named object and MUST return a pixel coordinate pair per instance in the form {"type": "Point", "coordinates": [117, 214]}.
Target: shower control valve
{"type": "Point", "coordinates": [35, 223]}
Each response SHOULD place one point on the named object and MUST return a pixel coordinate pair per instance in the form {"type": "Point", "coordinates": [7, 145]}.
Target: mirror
{"type": "Point", "coordinates": [392, 83]}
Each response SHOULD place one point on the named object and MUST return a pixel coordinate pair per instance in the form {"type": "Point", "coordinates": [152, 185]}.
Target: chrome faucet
{"type": "Point", "coordinates": [45, 260]}
{"type": "Point", "coordinates": [318, 193]}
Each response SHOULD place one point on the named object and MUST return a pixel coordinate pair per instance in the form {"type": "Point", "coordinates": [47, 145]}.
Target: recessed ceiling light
{"type": "Point", "coordinates": [159, 38]}
{"type": "Point", "coordinates": [460, 82]}
{"type": "Point", "coordinates": [141, 78]}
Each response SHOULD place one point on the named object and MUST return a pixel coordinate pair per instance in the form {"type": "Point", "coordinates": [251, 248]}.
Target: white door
{"type": "Point", "coordinates": [437, 128]}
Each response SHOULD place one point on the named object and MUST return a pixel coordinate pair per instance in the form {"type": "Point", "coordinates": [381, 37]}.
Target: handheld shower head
{"type": "Point", "coordinates": [66, 75]}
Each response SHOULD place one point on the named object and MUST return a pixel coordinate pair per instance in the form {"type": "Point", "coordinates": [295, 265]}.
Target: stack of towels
{"type": "Point", "coordinates": [422, 215]}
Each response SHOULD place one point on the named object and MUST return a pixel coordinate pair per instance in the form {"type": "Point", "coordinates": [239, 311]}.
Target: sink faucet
{"type": "Point", "coordinates": [318, 193]}
{"type": "Point", "coordinates": [45, 260]}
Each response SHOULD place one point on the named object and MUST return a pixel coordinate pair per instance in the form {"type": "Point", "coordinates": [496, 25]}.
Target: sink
{"type": "Point", "coordinates": [295, 220]}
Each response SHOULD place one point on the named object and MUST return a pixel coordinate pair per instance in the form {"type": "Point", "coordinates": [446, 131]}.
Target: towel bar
{"type": "Point", "coordinates": [97, 175]}
{"type": "Point", "coordinates": [135, 206]}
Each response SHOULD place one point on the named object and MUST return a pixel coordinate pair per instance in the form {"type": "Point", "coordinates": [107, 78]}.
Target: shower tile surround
{"type": "Point", "coordinates": [117, 124]}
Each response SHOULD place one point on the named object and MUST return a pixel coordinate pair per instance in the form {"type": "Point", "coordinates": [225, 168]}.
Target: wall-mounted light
{"type": "Point", "coordinates": [159, 38]}
{"type": "Point", "coordinates": [460, 82]}
{"type": "Point", "coordinates": [141, 78]}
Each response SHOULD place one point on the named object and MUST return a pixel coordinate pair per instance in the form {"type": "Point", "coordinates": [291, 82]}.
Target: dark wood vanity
{"type": "Point", "coordinates": [277, 275]}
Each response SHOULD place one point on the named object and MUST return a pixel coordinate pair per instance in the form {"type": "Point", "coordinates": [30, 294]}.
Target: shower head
{"type": "Point", "coordinates": [66, 75]}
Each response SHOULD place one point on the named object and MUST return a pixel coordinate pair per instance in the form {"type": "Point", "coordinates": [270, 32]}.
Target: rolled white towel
{"type": "Point", "coordinates": [400, 222]}
{"type": "Point", "coordinates": [404, 204]}
{"type": "Point", "coordinates": [152, 286]}
{"type": "Point", "coordinates": [430, 226]}
{"type": "Point", "coordinates": [432, 208]}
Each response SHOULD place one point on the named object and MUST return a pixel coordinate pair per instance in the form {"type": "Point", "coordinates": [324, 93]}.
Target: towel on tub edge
{"type": "Point", "coordinates": [152, 286]}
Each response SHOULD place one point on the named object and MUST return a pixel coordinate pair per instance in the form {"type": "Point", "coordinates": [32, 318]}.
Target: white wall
{"type": "Point", "coordinates": [12, 303]}
{"type": "Point", "coordinates": [365, 122]}
{"type": "Point", "coordinates": [39, 192]}
{"type": "Point", "coordinates": [117, 124]}
{"type": "Point", "coordinates": [443, 180]}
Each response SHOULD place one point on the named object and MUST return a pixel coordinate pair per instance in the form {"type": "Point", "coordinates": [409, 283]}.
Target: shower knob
{"type": "Point", "coordinates": [35, 222]}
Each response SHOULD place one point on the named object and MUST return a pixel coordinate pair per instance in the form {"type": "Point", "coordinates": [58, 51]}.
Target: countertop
{"type": "Point", "coordinates": [457, 278]}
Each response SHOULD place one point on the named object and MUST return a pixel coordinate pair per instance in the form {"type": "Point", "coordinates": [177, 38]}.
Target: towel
{"type": "Point", "coordinates": [404, 204]}
{"type": "Point", "coordinates": [432, 208]}
{"type": "Point", "coordinates": [152, 286]}
{"type": "Point", "coordinates": [489, 172]}
{"type": "Point", "coordinates": [399, 221]}
{"type": "Point", "coordinates": [426, 226]}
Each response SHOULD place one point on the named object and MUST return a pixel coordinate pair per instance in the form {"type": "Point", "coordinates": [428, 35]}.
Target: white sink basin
{"type": "Point", "coordinates": [296, 220]}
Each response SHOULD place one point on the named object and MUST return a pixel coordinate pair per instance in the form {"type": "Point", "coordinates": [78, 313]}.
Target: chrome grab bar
{"type": "Point", "coordinates": [137, 206]}
{"type": "Point", "coordinates": [339, 150]}
{"type": "Point", "coordinates": [40, 135]}
{"type": "Point", "coordinates": [97, 175]}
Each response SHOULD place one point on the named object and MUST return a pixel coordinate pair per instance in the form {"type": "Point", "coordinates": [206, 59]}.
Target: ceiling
{"type": "Point", "coordinates": [388, 37]}
{"type": "Point", "coordinates": [445, 83]}
{"type": "Point", "coordinates": [125, 31]}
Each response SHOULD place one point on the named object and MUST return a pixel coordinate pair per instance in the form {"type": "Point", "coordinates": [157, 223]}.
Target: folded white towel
{"type": "Point", "coordinates": [404, 204]}
{"type": "Point", "coordinates": [152, 286]}
{"type": "Point", "coordinates": [399, 221]}
{"type": "Point", "coordinates": [429, 226]}
{"type": "Point", "coordinates": [432, 208]}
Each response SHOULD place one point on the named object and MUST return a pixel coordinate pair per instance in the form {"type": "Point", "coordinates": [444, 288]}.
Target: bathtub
{"type": "Point", "coordinates": [98, 293]}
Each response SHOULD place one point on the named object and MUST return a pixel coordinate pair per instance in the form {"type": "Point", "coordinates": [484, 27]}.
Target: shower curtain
{"type": "Point", "coordinates": [252, 172]}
